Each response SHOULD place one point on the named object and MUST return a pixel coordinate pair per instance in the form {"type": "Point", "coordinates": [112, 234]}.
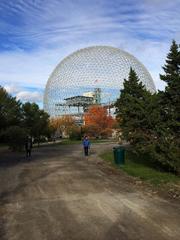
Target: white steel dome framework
{"type": "Point", "coordinates": [90, 75]}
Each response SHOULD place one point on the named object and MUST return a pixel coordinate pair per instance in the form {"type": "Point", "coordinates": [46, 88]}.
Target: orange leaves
{"type": "Point", "coordinates": [97, 118]}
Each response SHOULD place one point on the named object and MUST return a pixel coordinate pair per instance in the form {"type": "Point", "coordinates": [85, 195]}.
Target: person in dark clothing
{"type": "Point", "coordinates": [28, 147]}
{"type": "Point", "coordinates": [86, 145]}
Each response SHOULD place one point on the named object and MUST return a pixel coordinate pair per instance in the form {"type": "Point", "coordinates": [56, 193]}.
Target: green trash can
{"type": "Point", "coordinates": [119, 155]}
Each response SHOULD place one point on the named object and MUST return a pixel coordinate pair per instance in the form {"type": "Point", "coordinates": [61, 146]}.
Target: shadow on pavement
{"type": "Point", "coordinates": [10, 159]}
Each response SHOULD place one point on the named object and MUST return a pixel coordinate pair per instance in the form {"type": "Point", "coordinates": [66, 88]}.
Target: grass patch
{"type": "Point", "coordinates": [69, 142]}
{"type": "Point", "coordinates": [141, 167]}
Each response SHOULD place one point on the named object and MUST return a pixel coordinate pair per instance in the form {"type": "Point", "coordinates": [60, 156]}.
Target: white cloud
{"type": "Point", "coordinates": [12, 89]}
{"type": "Point", "coordinates": [29, 96]}
{"type": "Point", "coordinates": [32, 69]}
{"type": "Point", "coordinates": [55, 29]}
{"type": "Point", "coordinates": [24, 95]}
{"type": "Point", "coordinates": [59, 22]}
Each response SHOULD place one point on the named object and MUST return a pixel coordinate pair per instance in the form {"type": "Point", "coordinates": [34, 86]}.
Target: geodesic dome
{"type": "Point", "coordinates": [86, 70]}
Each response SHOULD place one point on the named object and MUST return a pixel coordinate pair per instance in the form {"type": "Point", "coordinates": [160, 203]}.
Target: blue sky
{"type": "Point", "coordinates": [35, 35]}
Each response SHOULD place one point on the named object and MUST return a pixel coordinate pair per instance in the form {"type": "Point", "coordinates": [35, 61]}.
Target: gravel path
{"type": "Point", "coordinates": [60, 194]}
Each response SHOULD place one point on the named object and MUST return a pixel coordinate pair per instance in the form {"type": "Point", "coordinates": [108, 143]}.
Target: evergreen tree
{"type": "Point", "coordinates": [172, 66]}
{"type": "Point", "coordinates": [151, 123]}
{"type": "Point", "coordinates": [131, 110]}
{"type": "Point", "coordinates": [10, 110]}
{"type": "Point", "coordinates": [170, 99]}
{"type": "Point", "coordinates": [170, 109]}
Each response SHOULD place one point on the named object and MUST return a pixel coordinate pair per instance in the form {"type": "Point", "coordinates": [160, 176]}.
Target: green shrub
{"type": "Point", "coordinates": [167, 154]}
{"type": "Point", "coordinates": [15, 137]}
{"type": "Point", "coordinates": [75, 134]}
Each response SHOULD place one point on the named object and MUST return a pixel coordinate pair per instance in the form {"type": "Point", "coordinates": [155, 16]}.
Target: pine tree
{"type": "Point", "coordinates": [151, 123]}
{"type": "Point", "coordinates": [170, 108]}
{"type": "Point", "coordinates": [171, 97]}
{"type": "Point", "coordinates": [172, 66]}
{"type": "Point", "coordinates": [131, 110]}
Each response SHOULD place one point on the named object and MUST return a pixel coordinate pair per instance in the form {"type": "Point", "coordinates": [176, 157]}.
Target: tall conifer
{"type": "Point", "coordinates": [131, 110]}
{"type": "Point", "coordinates": [171, 97]}
{"type": "Point", "coordinates": [170, 107]}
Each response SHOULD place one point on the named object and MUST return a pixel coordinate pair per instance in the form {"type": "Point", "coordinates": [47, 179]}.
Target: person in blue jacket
{"type": "Point", "coordinates": [86, 145]}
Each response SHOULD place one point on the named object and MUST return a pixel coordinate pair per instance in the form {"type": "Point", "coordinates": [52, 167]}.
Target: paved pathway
{"type": "Point", "coordinates": [62, 195]}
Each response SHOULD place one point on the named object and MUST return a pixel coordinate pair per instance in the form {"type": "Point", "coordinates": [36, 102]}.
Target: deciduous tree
{"type": "Point", "coordinates": [35, 120]}
{"type": "Point", "coordinates": [63, 125]}
{"type": "Point", "coordinates": [98, 120]}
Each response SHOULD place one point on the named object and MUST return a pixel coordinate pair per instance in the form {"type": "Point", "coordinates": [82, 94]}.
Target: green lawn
{"type": "Point", "coordinates": [69, 142]}
{"type": "Point", "coordinates": [139, 166]}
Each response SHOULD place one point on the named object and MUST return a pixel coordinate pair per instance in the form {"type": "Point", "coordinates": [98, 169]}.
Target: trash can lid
{"type": "Point", "coordinates": [118, 148]}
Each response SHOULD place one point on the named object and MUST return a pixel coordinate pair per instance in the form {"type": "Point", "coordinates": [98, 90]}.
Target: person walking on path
{"type": "Point", "coordinates": [86, 145]}
{"type": "Point", "coordinates": [28, 147]}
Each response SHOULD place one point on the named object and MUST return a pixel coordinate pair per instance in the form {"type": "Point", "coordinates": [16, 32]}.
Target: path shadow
{"type": "Point", "coordinates": [10, 159]}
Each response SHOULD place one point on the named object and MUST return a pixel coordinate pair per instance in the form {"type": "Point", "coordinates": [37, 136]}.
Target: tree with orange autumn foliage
{"type": "Point", "coordinates": [98, 122]}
